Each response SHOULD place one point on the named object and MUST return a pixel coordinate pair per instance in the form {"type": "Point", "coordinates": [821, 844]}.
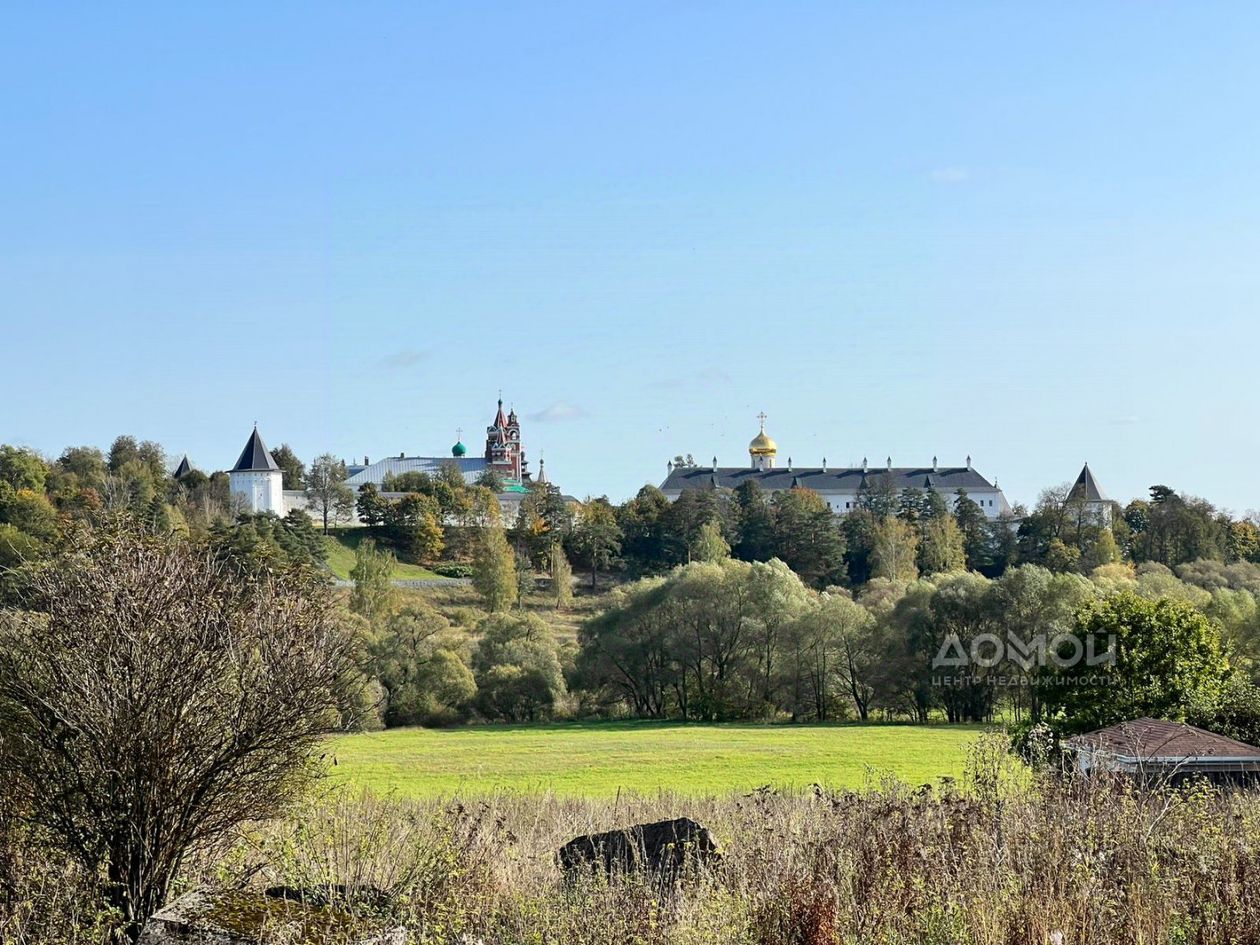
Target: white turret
{"type": "Point", "coordinates": [257, 479]}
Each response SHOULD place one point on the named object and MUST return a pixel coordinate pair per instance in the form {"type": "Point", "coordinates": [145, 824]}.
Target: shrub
{"type": "Point", "coordinates": [151, 701]}
{"type": "Point", "coordinates": [1234, 712]}
{"type": "Point", "coordinates": [422, 667]}
{"type": "Point", "coordinates": [517, 665]}
{"type": "Point", "coordinates": [453, 570]}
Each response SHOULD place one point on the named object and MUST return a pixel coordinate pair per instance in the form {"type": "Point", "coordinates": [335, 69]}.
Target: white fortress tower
{"type": "Point", "coordinates": [257, 479]}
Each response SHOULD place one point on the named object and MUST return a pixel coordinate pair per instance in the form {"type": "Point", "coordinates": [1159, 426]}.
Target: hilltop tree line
{"type": "Point", "coordinates": [889, 535]}
{"type": "Point", "coordinates": [42, 502]}
{"type": "Point", "coordinates": [742, 604]}
{"type": "Point", "coordinates": [898, 536]}
{"type": "Point", "coordinates": [729, 639]}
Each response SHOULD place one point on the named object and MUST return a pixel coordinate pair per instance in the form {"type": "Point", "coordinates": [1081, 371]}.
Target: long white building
{"type": "Point", "coordinates": [841, 487]}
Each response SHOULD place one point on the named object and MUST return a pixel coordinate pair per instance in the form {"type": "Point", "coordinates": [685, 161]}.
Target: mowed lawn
{"type": "Point", "coordinates": [598, 759]}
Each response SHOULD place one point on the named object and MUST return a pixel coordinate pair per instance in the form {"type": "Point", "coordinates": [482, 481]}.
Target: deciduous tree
{"type": "Point", "coordinates": [327, 491]}
{"type": "Point", "coordinates": [1167, 658]}
{"type": "Point", "coordinates": [709, 544]}
{"type": "Point", "coordinates": [596, 537]}
{"type": "Point", "coordinates": [894, 550]}
{"type": "Point", "coordinates": [561, 578]}
{"type": "Point", "coordinates": [494, 570]}
{"type": "Point", "coordinates": [373, 592]}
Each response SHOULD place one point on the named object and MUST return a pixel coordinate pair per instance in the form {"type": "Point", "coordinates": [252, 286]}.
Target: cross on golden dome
{"type": "Point", "coordinates": [761, 444]}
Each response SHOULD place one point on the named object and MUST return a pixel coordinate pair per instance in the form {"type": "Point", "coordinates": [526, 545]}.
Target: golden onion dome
{"type": "Point", "coordinates": [762, 445]}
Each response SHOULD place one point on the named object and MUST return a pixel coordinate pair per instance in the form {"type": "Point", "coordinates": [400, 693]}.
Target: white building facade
{"type": "Point", "coordinates": [842, 488]}
{"type": "Point", "coordinates": [257, 482]}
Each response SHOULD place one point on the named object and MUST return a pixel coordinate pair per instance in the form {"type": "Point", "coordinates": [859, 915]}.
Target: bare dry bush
{"type": "Point", "coordinates": [151, 701]}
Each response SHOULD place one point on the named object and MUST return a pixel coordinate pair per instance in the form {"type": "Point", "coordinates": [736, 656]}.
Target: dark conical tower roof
{"type": "Point", "coordinates": [184, 468]}
{"type": "Point", "coordinates": [1086, 488]}
{"type": "Point", "coordinates": [255, 457]}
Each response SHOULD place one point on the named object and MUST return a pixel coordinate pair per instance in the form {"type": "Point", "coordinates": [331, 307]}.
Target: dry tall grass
{"type": "Point", "coordinates": [997, 859]}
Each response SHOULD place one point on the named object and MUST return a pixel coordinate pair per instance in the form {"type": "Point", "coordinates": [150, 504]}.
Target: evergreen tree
{"type": "Point", "coordinates": [754, 523]}
{"type": "Point", "coordinates": [807, 537]}
{"type": "Point", "coordinates": [933, 504]}
{"type": "Point", "coordinates": [975, 532]}
{"type": "Point", "coordinates": [1003, 543]}
{"type": "Point", "coordinates": [643, 522]}
{"type": "Point", "coordinates": [858, 530]}
{"type": "Point", "coordinates": [878, 496]}
{"type": "Point", "coordinates": [686, 515]}
{"type": "Point", "coordinates": [370, 506]}
{"type": "Point", "coordinates": [910, 507]}
{"type": "Point", "coordinates": [293, 469]}
{"type": "Point", "coordinates": [300, 540]}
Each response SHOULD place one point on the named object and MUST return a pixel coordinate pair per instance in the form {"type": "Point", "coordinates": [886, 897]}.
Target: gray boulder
{"type": "Point", "coordinates": [666, 849]}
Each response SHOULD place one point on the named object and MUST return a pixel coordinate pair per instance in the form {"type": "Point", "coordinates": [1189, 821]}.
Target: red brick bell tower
{"type": "Point", "coordinates": [505, 453]}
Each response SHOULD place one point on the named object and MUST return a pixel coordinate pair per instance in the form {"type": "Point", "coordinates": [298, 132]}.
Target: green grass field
{"type": "Point", "coordinates": [340, 560]}
{"type": "Point", "coordinates": [598, 759]}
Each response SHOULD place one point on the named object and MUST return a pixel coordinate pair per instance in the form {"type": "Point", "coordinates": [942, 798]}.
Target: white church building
{"type": "Point", "coordinates": [256, 481]}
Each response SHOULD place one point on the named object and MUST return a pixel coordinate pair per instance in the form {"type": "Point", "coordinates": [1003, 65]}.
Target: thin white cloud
{"type": "Point", "coordinates": [950, 175]}
{"type": "Point", "coordinates": [558, 412]}
{"type": "Point", "coordinates": [408, 357]}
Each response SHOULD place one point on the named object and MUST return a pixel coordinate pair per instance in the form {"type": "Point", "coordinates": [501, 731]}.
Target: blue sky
{"type": "Point", "coordinates": [1028, 232]}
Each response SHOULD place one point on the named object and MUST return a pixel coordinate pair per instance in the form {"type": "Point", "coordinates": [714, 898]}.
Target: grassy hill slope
{"type": "Point", "coordinates": [341, 547]}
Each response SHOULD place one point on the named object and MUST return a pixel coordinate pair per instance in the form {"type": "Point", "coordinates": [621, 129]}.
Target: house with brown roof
{"type": "Point", "coordinates": [1153, 749]}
